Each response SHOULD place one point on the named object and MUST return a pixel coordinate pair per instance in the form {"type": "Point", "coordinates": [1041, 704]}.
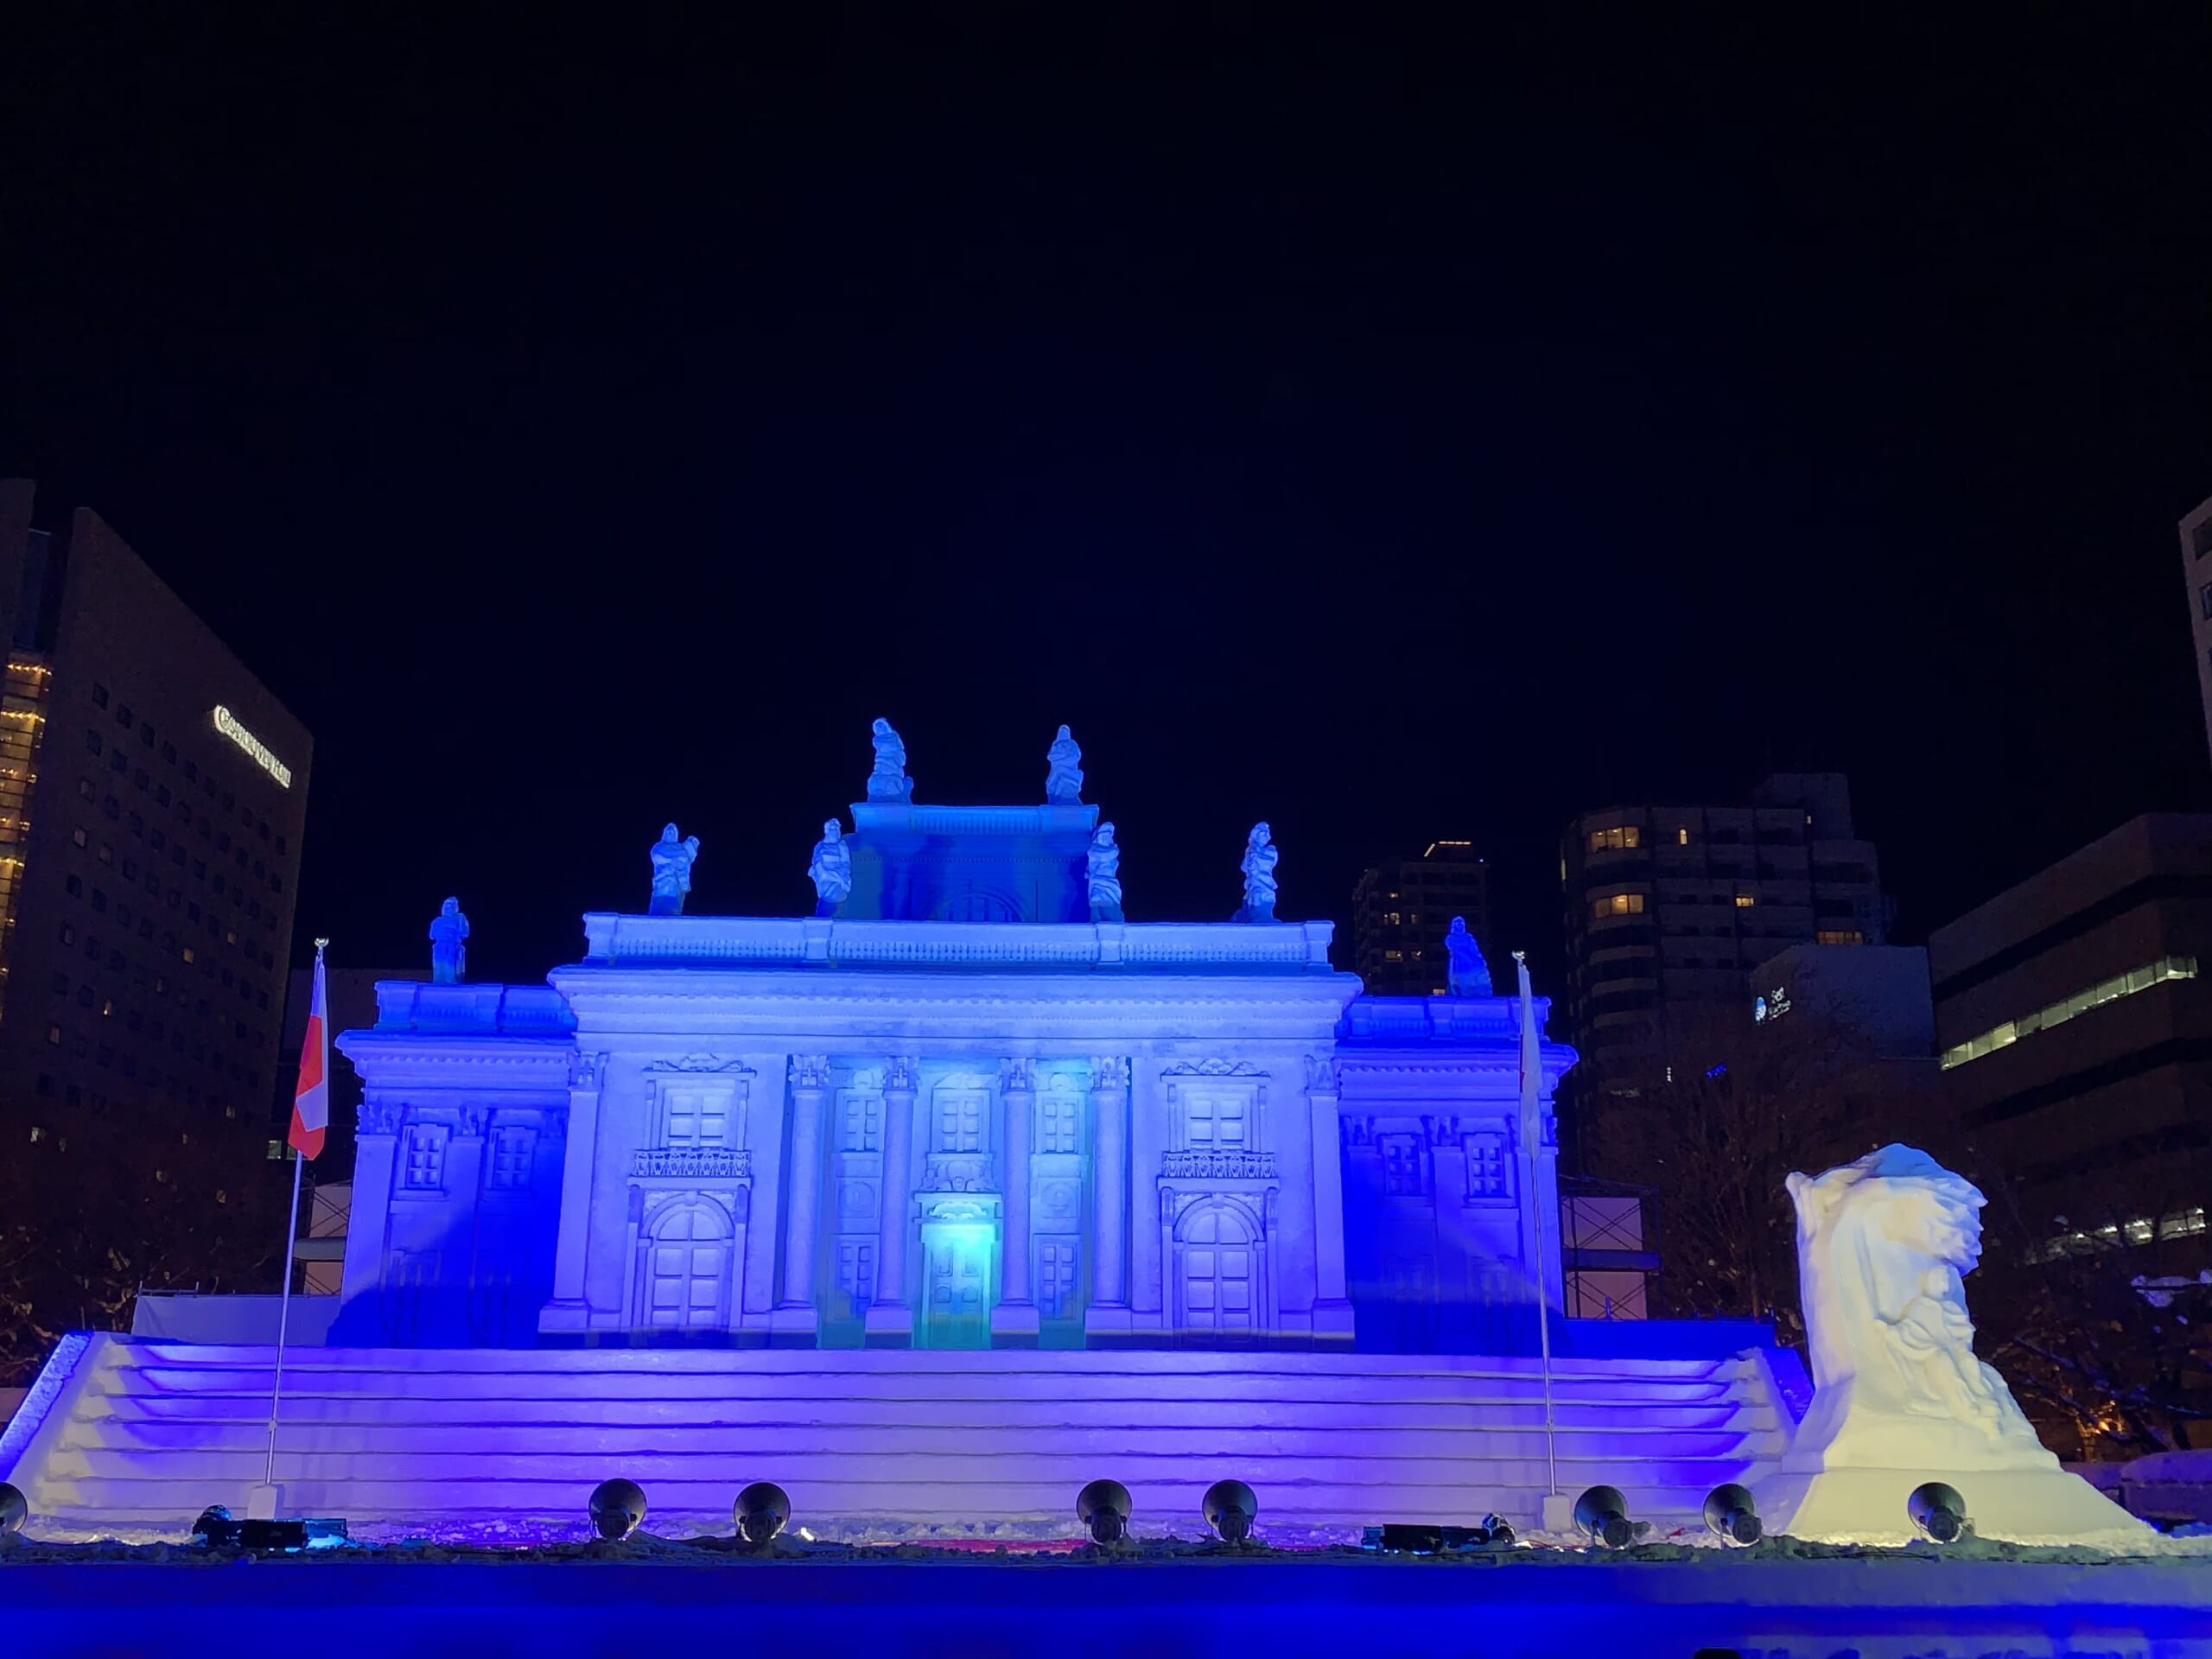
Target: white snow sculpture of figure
{"type": "Point", "coordinates": [1467, 974]}
{"type": "Point", "coordinates": [889, 781]}
{"type": "Point", "coordinates": [1259, 867]}
{"type": "Point", "coordinates": [831, 870]}
{"type": "Point", "coordinates": [448, 944]}
{"type": "Point", "coordinates": [1102, 869]}
{"type": "Point", "coordinates": [673, 861]}
{"type": "Point", "coordinates": [1064, 778]}
{"type": "Point", "coordinates": [1899, 1397]}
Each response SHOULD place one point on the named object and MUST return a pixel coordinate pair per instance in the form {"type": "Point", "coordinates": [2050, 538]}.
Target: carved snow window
{"type": "Point", "coordinates": [1215, 1121]}
{"type": "Point", "coordinates": [1056, 1270]}
{"type": "Point", "coordinates": [856, 1275]}
{"type": "Point", "coordinates": [960, 1123]}
{"type": "Point", "coordinates": [1490, 1172]}
{"type": "Point", "coordinates": [1060, 1115]}
{"type": "Point", "coordinates": [514, 1149]}
{"type": "Point", "coordinates": [860, 1121]}
{"type": "Point", "coordinates": [1404, 1172]}
{"type": "Point", "coordinates": [695, 1117]}
{"type": "Point", "coordinates": [425, 1168]}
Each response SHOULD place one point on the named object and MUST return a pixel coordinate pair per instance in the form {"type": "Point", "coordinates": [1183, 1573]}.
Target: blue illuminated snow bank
{"type": "Point", "coordinates": [381, 1603]}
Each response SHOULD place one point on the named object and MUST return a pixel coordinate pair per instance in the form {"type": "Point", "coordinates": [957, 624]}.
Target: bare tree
{"type": "Point", "coordinates": [1720, 1112]}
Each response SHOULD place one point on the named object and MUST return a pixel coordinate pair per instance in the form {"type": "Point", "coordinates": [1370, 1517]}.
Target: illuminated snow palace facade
{"type": "Point", "coordinates": [931, 1206]}
{"type": "Point", "coordinates": [955, 1113]}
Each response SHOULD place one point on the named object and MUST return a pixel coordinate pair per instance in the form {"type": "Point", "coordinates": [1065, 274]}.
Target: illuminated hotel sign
{"type": "Point", "coordinates": [227, 724]}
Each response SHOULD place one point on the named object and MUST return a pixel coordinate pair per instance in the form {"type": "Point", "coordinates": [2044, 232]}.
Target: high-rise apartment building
{"type": "Point", "coordinates": [152, 796]}
{"type": "Point", "coordinates": [1402, 909]}
{"type": "Point", "coordinates": [2196, 570]}
{"type": "Point", "coordinates": [1670, 907]}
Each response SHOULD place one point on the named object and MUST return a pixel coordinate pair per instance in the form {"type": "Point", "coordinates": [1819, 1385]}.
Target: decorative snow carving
{"type": "Point", "coordinates": [1881, 1244]}
{"type": "Point", "coordinates": [810, 1070]}
{"type": "Point", "coordinates": [1110, 1071]}
{"type": "Point", "coordinates": [1212, 1069]}
{"type": "Point", "coordinates": [694, 1163]}
{"type": "Point", "coordinates": [702, 1062]}
{"type": "Point", "coordinates": [1321, 1074]}
{"type": "Point", "coordinates": [1017, 1077]}
{"type": "Point", "coordinates": [1217, 1166]}
{"type": "Point", "coordinates": [902, 1073]}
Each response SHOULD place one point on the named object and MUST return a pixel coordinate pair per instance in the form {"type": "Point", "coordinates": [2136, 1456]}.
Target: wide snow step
{"type": "Point", "coordinates": [527, 1383]}
{"type": "Point", "coordinates": [152, 1432]}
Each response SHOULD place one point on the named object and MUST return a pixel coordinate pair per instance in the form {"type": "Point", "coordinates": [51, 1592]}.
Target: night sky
{"type": "Point", "coordinates": [586, 419]}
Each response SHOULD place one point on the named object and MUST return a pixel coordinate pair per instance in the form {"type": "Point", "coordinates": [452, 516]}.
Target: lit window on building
{"type": "Point", "coordinates": [1839, 936]}
{"type": "Point", "coordinates": [2057, 1014]}
{"type": "Point", "coordinates": [1744, 901]}
{"type": "Point", "coordinates": [1620, 904]}
{"type": "Point", "coordinates": [1625, 838]}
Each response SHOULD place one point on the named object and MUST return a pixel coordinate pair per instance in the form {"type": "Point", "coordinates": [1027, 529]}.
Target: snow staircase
{"type": "Point", "coordinates": [129, 1437]}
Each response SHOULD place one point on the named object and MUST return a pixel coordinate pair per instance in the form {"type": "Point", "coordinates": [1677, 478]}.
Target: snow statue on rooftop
{"type": "Point", "coordinates": [889, 781]}
{"type": "Point", "coordinates": [1259, 867]}
{"type": "Point", "coordinates": [831, 872]}
{"type": "Point", "coordinates": [1064, 782]}
{"type": "Point", "coordinates": [1103, 867]}
{"type": "Point", "coordinates": [448, 946]}
{"type": "Point", "coordinates": [1469, 974]}
{"type": "Point", "coordinates": [673, 861]}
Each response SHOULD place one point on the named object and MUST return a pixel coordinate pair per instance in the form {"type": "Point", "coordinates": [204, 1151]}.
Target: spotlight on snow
{"type": "Point", "coordinates": [1104, 1508]}
{"type": "Point", "coordinates": [1229, 1509]}
{"type": "Point", "coordinates": [15, 1509]}
{"type": "Point", "coordinates": [1601, 1515]}
{"type": "Point", "coordinates": [762, 1509]}
{"type": "Point", "coordinates": [1938, 1512]}
{"type": "Point", "coordinates": [618, 1508]}
{"type": "Point", "coordinates": [1498, 1530]}
{"type": "Point", "coordinates": [1732, 1516]}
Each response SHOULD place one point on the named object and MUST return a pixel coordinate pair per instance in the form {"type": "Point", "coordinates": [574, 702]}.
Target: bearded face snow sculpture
{"type": "Point", "coordinates": [1882, 1244]}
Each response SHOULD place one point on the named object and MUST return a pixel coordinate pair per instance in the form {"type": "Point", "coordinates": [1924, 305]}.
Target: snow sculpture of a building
{"type": "Point", "coordinates": [956, 1113]}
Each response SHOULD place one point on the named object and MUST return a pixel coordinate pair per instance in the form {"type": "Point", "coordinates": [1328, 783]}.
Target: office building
{"type": "Point", "coordinates": [152, 795]}
{"type": "Point", "coordinates": [2075, 1028]}
{"type": "Point", "coordinates": [2197, 571]}
{"type": "Point", "coordinates": [1875, 994]}
{"type": "Point", "coordinates": [1400, 910]}
{"type": "Point", "coordinates": [1668, 907]}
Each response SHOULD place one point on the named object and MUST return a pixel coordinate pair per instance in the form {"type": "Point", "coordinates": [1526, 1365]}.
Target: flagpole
{"type": "Point", "coordinates": [1531, 1137]}
{"type": "Point", "coordinates": [315, 1033]}
{"type": "Point", "coordinates": [284, 1316]}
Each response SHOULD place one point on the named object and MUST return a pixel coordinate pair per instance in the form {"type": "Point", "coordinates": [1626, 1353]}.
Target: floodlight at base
{"type": "Point", "coordinates": [762, 1509]}
{"type": "Point", "coordinates": [1500, 1530]}
{"type": "Point", "coordinates": [263, 1500]}
{"type": "Point", "coordinates": [15, 1509]}
{"type": "Point", "coordinates": [1938, 1512]}
{"type": "Point", "coordinates": [616, 1507]}
{"type": "Point", "coordinates": [1601, 1515]}
{"type": "Point", "coordinates": [1104, 1508]}
{"type": "Point", "coordinates": [1732, 1516]}
{"type": "Point", "coordinates": [1230, 1508]}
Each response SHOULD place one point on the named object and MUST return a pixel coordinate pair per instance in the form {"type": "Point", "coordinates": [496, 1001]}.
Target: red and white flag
{"type": "Point", "coordinates": [311, 1105]}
